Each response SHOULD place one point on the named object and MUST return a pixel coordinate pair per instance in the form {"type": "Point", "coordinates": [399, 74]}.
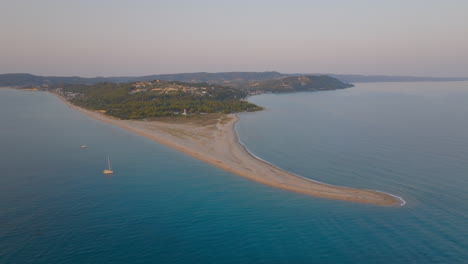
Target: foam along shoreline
{"type": "Point", "coordinates": [401, 200]}
{"type": "Point", "coordinates": [216, 143]}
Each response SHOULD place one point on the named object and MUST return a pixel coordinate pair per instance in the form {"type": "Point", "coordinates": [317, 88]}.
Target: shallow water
{"type": "Point", "coordinates": [410, 139]}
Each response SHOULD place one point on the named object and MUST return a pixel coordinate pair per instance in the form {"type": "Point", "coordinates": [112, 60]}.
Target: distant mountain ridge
{"type": "Point", "coordinates": [234, 79]}
{"type": "Point", "coordinates": [26, 79]}
{"type": "Point", "coordinates": [215, 77]}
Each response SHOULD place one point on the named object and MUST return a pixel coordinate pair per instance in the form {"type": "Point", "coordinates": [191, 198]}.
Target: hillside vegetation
{"type": "Point", "coordinates": [298, 84]}
{"type": "Point", "coordinates": [159, 98]}
{"type": "Point", "coordinates": [140, 100]}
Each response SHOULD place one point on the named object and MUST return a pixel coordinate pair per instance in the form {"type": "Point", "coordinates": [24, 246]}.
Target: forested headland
{"type": "Point", "coordinates": [139, 100]}
{"type": "Point", "coordinates": [159, 98]}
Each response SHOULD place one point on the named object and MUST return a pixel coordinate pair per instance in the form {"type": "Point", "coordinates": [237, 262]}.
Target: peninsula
{"type": "Point", "coordinates": [199, 120]}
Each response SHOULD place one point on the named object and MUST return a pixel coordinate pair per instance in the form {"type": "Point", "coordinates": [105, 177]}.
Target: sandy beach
{"type": "Point", "coordinates": [215, 141]}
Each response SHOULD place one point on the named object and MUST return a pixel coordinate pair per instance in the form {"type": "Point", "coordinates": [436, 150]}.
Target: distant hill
{"type": "Point", "coordinates": [26, 79]}
{"type": "Point", "coordinates": [232, 79]}
{"type": "Point", "coordinates": [219, 77]}
{"type": "Point", "coordinates": [353, 78]}
{"type": "Point", "coordinates": [298, 84]}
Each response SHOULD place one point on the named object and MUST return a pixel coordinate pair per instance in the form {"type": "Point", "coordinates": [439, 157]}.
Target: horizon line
{"type": "Point", "coordinates": [292, 73]}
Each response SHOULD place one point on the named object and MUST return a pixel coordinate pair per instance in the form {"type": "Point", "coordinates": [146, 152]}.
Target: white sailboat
{"type": "Point", "coordinates": [109, 170]}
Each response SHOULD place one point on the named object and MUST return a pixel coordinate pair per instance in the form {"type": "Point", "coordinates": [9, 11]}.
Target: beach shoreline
{"type": "Point", "coordinates": [218, 144]}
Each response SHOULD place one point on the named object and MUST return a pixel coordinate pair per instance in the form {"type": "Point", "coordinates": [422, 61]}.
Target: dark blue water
{"type": "Point", "coordinates": [410, 139]}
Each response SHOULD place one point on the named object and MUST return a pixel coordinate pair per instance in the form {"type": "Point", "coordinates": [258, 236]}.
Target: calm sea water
{"type": "Point", "coordinates": [410, 139]}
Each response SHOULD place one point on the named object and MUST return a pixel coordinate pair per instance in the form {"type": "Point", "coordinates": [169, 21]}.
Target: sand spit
{"type": "Point", "coordinates": [215, 141]}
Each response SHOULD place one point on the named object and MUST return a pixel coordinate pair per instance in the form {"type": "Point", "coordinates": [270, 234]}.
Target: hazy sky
{"type": "Point", "coordinates": [139, 37]}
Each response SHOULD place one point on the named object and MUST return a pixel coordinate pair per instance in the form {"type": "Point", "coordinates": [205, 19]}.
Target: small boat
{"type": "Point", "coordinates": [109, 170]}
{"type": "Point", "coordinates": [84, 146]}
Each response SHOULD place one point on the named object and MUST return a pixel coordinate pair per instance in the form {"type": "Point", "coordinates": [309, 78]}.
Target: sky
{"type": "Point", "coordinates": [143, 37]}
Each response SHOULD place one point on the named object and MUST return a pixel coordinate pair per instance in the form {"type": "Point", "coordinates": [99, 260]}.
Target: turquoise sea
{"type": "Point", "coordinates": [161, 206]}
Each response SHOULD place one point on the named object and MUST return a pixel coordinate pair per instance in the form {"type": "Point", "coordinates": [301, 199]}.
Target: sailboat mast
{"type": "Point", "coordinates": [108, 162]}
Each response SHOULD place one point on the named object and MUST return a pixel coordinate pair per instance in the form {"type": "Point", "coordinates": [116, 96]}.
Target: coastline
{"type": "Point", "coordinates": [218, 144]}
